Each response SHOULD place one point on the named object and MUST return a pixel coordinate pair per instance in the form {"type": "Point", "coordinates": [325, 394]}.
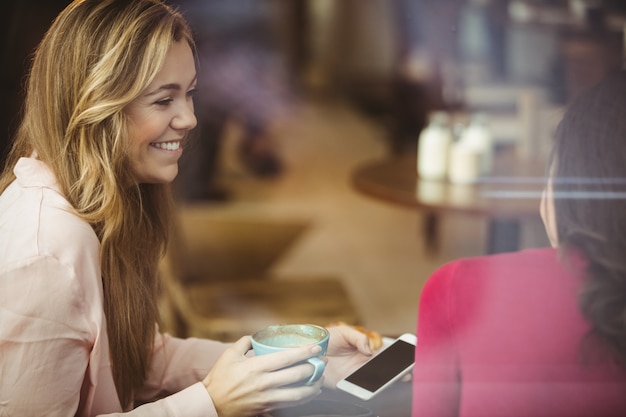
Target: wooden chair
{"type": "Point", "coordinates": [203, 296]}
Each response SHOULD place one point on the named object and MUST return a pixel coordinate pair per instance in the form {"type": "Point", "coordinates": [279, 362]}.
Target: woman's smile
{"type": "Point", "coordinates": [174, 145]}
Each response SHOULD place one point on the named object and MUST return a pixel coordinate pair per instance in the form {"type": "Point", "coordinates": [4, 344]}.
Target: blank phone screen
{"type": "Point", "coordinates": [384, 366]}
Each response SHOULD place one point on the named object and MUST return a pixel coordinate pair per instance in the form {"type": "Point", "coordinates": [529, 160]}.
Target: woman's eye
{"type": "Point", "coordinates": [191, 93]}
{"type": "Point", "coordinates": [164, 102]}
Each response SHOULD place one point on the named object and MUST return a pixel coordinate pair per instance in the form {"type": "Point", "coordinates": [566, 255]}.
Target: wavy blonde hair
{"type": "Point", "coordinates": [95, 59]}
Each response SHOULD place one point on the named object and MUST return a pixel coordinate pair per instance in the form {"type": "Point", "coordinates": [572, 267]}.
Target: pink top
{"type": "Point", "coordinates": [54, 356]}
{"type": "Point", "coordinates": [501, 336]}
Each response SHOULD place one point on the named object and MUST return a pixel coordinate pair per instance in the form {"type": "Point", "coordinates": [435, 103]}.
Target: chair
{"type": "Point", "coordinates": [217, 282]}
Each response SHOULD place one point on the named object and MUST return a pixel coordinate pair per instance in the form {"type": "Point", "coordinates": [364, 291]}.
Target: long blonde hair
{"type": "Point", "coordinates": [96, 58]}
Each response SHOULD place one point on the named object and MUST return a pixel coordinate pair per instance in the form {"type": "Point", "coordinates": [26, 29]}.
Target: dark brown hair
{"type": "Point", "coordinates": [588, 168]}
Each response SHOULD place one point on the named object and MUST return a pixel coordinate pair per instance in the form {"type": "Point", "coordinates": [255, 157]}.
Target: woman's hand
{"type": "Point", "coordinates": [348, 348]}
{"type": "Point", "coordinates": [248, 386]}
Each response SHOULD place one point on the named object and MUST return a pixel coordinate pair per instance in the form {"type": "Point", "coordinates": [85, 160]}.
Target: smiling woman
{"type": "Point", "coordinates": [85, 213]}
{"type": "Point", "coordinates": [161, 117]}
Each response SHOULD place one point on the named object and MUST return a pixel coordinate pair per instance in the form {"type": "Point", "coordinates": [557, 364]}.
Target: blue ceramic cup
{"type": "Point", "coordinates": [280, 337]}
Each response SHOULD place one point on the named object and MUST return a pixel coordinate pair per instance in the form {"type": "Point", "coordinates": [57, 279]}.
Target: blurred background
{"type": "Point", "coordinates": [294, 96]}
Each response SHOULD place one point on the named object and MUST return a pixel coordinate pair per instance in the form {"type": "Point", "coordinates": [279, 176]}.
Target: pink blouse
{"type": "Point", "coordinates": [502, 336]}
{"type": "Point", "coordinates": [54, 356]}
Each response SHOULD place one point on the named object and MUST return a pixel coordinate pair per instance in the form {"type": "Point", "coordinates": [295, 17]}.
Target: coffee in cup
{"type": "Point", "coordinates": [276, 338]}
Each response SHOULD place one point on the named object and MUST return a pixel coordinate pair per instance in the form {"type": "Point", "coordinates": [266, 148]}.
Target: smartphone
{"type": "Point", "coordinates": [382, 370]}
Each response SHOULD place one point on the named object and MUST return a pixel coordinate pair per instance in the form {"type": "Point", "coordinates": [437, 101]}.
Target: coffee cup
{"type": "Point", "coordinates": [276, 338]}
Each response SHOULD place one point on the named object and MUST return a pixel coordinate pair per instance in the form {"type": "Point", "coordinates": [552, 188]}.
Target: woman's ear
{"type": "Point", "coordinates": [546, 210]}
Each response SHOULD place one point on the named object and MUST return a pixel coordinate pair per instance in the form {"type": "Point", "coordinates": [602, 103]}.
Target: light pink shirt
{"type": "Point", "coordinates": [54, 356]}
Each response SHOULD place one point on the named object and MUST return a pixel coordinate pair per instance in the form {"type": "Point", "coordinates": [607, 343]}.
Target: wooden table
{"type": "Point", "coordinates": [511, 194]}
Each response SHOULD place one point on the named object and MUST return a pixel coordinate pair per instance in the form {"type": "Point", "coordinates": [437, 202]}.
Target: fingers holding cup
{"type": "Point", "coordinates": [288, 337]}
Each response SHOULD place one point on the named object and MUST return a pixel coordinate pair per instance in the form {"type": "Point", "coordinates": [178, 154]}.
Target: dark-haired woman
{"type": "Point", "coordinates": [541, 332]}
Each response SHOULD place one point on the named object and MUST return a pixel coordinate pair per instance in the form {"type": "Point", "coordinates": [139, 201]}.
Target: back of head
{"type": "Point", "coordinates": [588, 167]}
{"type": "Point", "coordinates": [589, 184]}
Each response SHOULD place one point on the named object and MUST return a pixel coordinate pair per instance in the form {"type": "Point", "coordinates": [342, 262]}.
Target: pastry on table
{"type": "Point", "coordinates": [375, 339]}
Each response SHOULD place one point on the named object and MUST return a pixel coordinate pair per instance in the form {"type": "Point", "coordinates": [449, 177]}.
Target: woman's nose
{"type": "Point", "coordinates": [186, 118]}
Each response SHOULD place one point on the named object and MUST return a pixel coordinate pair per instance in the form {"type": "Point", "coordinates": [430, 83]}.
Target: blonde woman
{"type": "Point", "coordinates": [84, 214]}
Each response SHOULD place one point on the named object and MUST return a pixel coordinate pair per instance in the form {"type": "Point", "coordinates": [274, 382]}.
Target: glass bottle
{"type": "Point", "coordinates": [434, 147]}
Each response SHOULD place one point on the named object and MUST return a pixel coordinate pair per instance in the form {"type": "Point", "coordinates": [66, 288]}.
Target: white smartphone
{"type": "Point", "coordinates": [387, 366]}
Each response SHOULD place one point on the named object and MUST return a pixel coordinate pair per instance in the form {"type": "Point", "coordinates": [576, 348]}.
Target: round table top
{"type": "Point", "coordinates": [513, 191]}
